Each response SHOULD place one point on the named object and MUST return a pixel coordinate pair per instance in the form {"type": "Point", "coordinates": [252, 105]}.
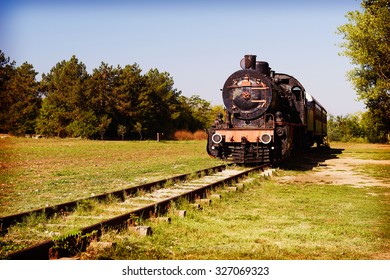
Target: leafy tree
{"type": "Point", "coordinates": [50, 119]}
{"type": "Point", "coordinates": [334, 131]}
{"type": "Point", "coordinates": [138, 129]}
{"type": "Point", "coordinates": [185, 121]}
{"type": "Point", "coordinates": [196, 113]}
{"type": "Point", "coordinates": [84, 124]}
{"type": "Point", "coordinates": [103, 123]}
{"type": "Point", "coordinates": [353, 127]}
{"type": "Point", "coordinates": [367, 44]}
{"type": "Point", "coordinates": [122, 131]}
{"type": "Point", "coordinates": [200, 110]}
{"type": "Point", "coordinates": [346, 128]}
{"type": "Point", "coordinates": [215, 110]}
{"type": "Point", "coordinates": [373, 129]}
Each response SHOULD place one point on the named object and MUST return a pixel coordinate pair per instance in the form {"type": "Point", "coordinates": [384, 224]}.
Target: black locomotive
{"type": "Point", "coordinates": [268, 115]}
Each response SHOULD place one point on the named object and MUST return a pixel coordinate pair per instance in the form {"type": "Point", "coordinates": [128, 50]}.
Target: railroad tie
{"type": "Point", "coordinates": [181, 213]}
{"type": "Point", "coordinates": [141, 230]}
{"type": "Point", "coordinates": [204, 201]}
{"type": "Point", "coordinates": [215, 196]}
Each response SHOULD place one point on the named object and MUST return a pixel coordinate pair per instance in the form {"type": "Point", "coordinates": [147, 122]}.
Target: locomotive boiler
{"type": "Point", "coordinates": [267, 115]}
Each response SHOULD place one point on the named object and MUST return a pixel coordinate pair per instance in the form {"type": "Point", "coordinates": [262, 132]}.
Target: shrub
{"type": "Point", "coordinates": [183, 135]}
{"type": "Point", "coordinates": [200, 135]}
{"type": "Point", "coordinates": [188, 135]}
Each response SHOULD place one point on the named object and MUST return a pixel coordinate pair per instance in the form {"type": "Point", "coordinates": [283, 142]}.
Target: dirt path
{"type": "Point", "coordinates": [339, 171]}
{"type": "Point", "coordinates": [342, 171]}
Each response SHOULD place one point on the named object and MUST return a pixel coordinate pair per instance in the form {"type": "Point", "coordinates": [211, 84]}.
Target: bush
{"type": "Point", "coordinates": [200, 135]}
{"type": "Point", "coordinates": [353, 139]}
{"type": "Point", "coordinates": [188, 135]}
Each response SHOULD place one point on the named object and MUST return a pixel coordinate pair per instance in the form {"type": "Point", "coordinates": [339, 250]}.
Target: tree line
{"type": "Point", "coordinates": [358, 127]}
{"type": "Point", "coordinates": [112, 102]}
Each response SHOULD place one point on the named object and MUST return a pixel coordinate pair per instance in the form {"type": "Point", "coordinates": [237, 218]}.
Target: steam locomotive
{"type": "Point", "coordinates": [267, 116]}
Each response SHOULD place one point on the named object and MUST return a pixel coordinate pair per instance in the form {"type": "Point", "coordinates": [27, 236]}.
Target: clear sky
{"type": "Point", "coordinates": [200, 43]}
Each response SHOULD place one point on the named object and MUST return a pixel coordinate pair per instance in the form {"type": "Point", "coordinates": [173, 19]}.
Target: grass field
{"type": "Point", "coordinates": [267, 219]}
{"type": "Point", "coordinates": [364, 151]}
{"type": "Point", "coordinates": [39, 172]}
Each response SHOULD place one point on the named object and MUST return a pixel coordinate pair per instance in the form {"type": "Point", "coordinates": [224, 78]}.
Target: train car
{"type": "Point", "coordinates": [267, 115]}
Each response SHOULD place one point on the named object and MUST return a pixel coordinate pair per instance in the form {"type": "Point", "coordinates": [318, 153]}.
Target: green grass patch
{"type": "Point", "coordinates": [364, 151]}
{"type": "Point", "coordinates": [379, 171]}
{"type": "Point", "coordinates": [39, 172]}
{"type": "Point", "coordinates": [271, 221]}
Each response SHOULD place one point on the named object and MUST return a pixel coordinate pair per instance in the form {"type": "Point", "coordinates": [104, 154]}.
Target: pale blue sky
{"type": "Point", "coordinates": [200, 43]}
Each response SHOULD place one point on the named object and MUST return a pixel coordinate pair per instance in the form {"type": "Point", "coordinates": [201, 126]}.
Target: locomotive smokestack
{"type": "Point", "coordinates": [263, 67]}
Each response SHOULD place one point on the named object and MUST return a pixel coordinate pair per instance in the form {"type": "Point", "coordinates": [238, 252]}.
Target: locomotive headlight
{"type": "Point", "coordinates": [216, 138]}
{"type": "Point", "coordinates": [265, 138]}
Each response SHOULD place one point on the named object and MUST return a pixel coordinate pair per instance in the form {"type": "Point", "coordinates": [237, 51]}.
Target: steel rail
{"type": "Point", "coordinates": [41, 251]}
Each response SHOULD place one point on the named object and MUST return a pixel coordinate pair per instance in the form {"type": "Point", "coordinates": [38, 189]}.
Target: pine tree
{"type": "Point", "coordinates": [26, 100]}
{"type": "Point", "coordinates": [66, 110]}
{"type": "Point", "coordinates": [7, 70]}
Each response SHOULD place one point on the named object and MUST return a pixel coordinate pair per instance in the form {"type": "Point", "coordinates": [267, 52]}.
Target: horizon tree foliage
{"type": "Point", "coordinates": [374, 130]}
{"type": "Point", "coordinates": [367, 43]}
{"type": "Point", "coordinates": [346, 128]}
{"type": "Point", "coordinates": [26, 100]}
{"type": "Point", "coordinates": [196, 113]}
{"type": "Point", "coordinates": [160, 95]}
{"type": "Point", "coordinates": [200, 110]}
{"type": "Point", "coordinates": [101, 96]}
{"type": "Point", "coordinates": [109, 102]}
{"type": "Point", "coordinates": [7, 69]}
{"type": "Point", "coordinates": [20, 97]}
{"type": "Point", "coordinates": [65, 111]}
{"type": "Point", "coordinates": [357, 127]}
{"type": "Point", "coordinates": [123, 103]}
{"type": "Point", "coordinates": [131, 84]}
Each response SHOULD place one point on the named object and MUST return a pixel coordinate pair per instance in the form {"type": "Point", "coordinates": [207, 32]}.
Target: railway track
{"type": "Point", "coordinates": [49, 211]}
{"type": "Point", "coordinates": [87, 218]}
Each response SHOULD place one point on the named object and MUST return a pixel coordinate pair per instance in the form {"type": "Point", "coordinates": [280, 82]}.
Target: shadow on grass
{"type": "Point", "coordinates": [308, 159]}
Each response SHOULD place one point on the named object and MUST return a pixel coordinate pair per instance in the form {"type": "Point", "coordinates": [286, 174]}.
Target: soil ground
{"type": "Point", "coordinates": [339, 171]}
{"type": "Point", "coordinates": [330, 169]}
